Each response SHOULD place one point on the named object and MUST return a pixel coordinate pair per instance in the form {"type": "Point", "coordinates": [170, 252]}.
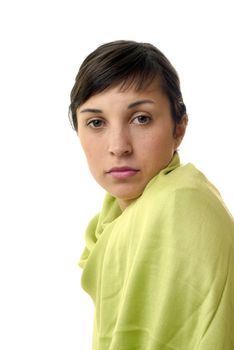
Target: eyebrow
{"type": "Point", "coordinates": [91, 110]}
{"type": "Point", "coordinates": [132, 105]}
{"type": "Point", "coordinates": [139, 102]}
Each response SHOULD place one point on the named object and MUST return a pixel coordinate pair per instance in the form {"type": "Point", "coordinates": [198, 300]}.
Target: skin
{"type": "Point", "coordinates": [117, 129]}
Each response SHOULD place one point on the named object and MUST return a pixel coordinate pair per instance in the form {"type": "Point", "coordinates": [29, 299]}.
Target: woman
{"type": "Point", "coordinates": [159, 258]}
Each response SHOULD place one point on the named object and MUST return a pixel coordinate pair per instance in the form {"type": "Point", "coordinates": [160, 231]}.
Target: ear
{"type": "Point", "coordinates": [179, 130]}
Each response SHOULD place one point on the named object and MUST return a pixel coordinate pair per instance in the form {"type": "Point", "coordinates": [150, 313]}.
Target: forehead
{"type": "Point", "coordinates": [123, 93]}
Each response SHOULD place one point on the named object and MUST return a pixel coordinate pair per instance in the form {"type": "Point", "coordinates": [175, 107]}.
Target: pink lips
{"type": "Point", "coordinates": [122, 173]}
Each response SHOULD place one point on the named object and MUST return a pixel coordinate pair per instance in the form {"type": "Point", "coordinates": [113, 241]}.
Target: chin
{"type": "Point", "coordinates": [126, 195]}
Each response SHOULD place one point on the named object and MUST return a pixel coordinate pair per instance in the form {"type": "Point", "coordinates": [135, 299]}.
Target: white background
{"type": "Point", "coordinates": [47, 195]}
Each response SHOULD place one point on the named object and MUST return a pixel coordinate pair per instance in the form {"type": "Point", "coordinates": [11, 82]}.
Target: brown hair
{"type": "Point", "coordinates": [128, 63]}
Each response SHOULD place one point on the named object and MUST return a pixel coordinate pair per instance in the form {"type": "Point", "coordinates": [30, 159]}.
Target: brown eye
{"type": "Point", "coordinates": [142, 119]}
{"type": "Point", "coordinates": [95, 123]}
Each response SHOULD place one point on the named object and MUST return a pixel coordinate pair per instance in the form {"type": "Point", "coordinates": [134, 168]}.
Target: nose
{"type": "Point", "coordinates": [120, 143]}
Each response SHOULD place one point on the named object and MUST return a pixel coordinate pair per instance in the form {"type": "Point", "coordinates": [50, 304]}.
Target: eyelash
{"type": "Point", "coordinates": [91, 123]}
{"type": "Point", "coordinates": [145, 117]}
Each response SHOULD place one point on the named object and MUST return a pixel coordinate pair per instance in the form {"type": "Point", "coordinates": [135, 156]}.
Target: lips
{"type": "Point", "coordinates": [122, 172]}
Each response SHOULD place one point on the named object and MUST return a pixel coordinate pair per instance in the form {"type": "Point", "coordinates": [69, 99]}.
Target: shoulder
{"type": "Point", "coordinates": [190, 192]}
{"type": "Point", "coordinates": [183, 202]}
{"type": "Point", "coordinates": [184, 221]}
{"type": "Point", "coordinates": [183, 185]}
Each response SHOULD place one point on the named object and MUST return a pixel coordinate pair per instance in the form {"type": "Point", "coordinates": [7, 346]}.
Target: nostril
{"type": "Point", "coordinates": [120, 151]}
{"type": "Point", "coordinates": [120, 142]}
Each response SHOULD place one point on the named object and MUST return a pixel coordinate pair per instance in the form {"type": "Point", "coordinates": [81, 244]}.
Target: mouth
{"type": "Point", "coordinates": [122, 172]}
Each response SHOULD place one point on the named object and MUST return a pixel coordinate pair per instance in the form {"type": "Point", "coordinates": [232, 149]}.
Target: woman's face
{"type": "Point", "coordinates": [128, 137]}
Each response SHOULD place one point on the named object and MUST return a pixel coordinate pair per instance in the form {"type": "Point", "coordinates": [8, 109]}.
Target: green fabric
{"type": "Point", "coordinates": [161, 273]}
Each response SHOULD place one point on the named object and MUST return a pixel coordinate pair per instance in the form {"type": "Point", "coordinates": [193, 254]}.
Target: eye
{"type": "Point", "coordinates": [95, 123]}
{"type": "Point", "coordinates": [142, 119]}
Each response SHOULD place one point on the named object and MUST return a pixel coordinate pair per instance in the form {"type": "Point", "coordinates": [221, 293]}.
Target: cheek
{"type": "Point", "coordinates": [158, 148]}
{"type": "Point", "coordinates": [93, 155]}
{"type": "Point", "coordinates": [87, 144]}
{"type": "Point", "coordinates": [154, 143]}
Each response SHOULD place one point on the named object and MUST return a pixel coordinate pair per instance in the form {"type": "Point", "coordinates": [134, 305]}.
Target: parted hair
{"type": "Point", "coordinates": [127, 63]}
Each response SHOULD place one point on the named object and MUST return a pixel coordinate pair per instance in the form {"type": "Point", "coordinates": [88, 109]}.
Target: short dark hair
{"type": "Point", "coordinates": [128, 63]}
